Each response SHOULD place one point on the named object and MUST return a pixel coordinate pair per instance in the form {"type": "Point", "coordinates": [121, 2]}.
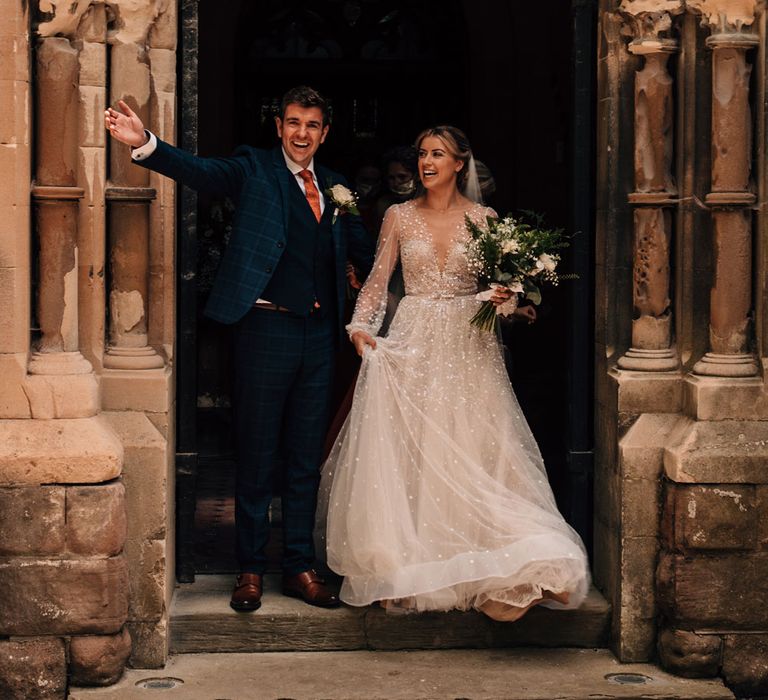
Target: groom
{"type": "Point", "coordinates": [282, 282]}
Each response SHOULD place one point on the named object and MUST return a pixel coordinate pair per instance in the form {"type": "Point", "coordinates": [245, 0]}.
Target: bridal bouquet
{"type": "Point", "coordinates": [516, 253]}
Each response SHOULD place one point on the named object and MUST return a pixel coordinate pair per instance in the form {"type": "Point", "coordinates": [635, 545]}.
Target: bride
{"type": "Point", "coordinates": [435, 496]}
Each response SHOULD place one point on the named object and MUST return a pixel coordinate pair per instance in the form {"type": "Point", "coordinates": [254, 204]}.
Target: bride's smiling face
{"type": "Point", "coordinates": [437, 165]}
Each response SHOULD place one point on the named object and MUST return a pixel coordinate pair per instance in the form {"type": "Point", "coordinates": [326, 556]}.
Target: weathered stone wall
{"type": "Point", "coordinates": [680, 472]}
{"type": "Point", "coordinates": [86, 536]}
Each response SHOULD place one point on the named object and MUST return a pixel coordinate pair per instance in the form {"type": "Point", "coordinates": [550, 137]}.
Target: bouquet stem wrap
{"type": "Point", "coordinates": [487, 316]}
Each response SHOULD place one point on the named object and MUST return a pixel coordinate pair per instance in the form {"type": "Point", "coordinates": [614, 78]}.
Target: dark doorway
{"type": "Point", "coordinates": [390, 68]}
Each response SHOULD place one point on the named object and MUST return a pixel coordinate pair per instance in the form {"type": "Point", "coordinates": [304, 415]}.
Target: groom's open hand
{"type": "Point", "coordinates": [126, 127]}
{"type": "Point", "coordinates": [360, 339]}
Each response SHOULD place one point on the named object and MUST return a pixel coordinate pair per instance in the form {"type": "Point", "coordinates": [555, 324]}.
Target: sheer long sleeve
{"type": "Point", "coordinates": [372, 301]}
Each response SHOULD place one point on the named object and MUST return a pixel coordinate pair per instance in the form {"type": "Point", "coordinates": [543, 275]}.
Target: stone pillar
{"type": "Point", "coordinates": [731, 201]}
{"type": "Point", "coordinates": [91, 175]}
{"type": "Point", "coordinates": [56, 196]}
{"type": "Point", "coordinates": [129, 197]}
{"type": "Point", "coordinates": [128, 220]}
{"type": "Point", "coordinates": [162, 246]}
{"type": "Point", "coordinates": [653, 196]}
{"type": "Point", "coordinates": [15, 166]}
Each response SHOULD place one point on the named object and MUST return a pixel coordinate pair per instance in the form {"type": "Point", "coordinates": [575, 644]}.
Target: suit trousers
{"type": "Point", "coordinates": [283, 372]}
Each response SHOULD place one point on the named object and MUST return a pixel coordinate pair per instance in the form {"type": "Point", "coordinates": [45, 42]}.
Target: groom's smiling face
{"type": "Point", "coordinates": [301, 132]}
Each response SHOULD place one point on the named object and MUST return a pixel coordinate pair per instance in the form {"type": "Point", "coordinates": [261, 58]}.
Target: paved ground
{"type": "Point", "coordinates": [511, 674]}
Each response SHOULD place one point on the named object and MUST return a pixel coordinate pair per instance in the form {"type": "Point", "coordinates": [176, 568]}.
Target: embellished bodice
{"type": "Point", "coordinates": [430, 269]}
{"type": "Point", "coordinates": [434, 259]}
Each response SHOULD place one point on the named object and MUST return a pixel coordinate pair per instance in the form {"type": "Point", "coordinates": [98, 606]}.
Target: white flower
{"type": "Point", "coordinates": [511, 246]}
{"type": "Point", "coordinates": [341, 196]}
{"type": "Point", "coordinates": [343, 200]}
{"type": "Point", "coordinates": [505, 227]}
{"type": "Point", "coordinates": [546, 262]}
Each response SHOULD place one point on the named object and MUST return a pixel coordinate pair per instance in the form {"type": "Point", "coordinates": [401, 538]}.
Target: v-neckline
{"type": "Point", "coordinates": [440, 268]}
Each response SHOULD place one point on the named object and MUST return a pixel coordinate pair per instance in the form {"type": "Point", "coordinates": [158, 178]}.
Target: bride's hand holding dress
{"type": "Point", "coordinates": [361, 340]}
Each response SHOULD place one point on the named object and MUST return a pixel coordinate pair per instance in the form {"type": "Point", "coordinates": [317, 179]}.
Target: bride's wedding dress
{"type": "Point", "coordinates": [435, 493]}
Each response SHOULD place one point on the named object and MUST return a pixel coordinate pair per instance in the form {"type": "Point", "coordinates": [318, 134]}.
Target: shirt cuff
{"type": "Point", "coordinates": [147, 149]}
{"type": "Point", "coordinates": [353, 327]}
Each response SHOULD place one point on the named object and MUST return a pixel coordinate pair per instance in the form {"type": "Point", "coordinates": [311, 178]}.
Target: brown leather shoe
{"type": "Point", "coordinates": [310, 588]}
{"type": "Point", "coordinates": [247, 594]}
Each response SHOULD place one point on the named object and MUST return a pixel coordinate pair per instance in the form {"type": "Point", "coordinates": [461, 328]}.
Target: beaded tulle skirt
{"type": "Point", "coordinates": [435, 496]}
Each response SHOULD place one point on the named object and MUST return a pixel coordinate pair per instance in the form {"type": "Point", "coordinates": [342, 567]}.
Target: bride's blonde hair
{"type": "Point", "coordinates": [458, 146]}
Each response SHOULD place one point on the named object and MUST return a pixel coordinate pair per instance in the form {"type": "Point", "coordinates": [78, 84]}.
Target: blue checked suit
{"type": "Point", "coordinates": [283, 362]}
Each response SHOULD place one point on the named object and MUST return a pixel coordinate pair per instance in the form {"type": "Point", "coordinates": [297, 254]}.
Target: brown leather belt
{"type": "Point", "coordinates": [272, 307]}
{"type": "Point", "coordinates": [267, 306]}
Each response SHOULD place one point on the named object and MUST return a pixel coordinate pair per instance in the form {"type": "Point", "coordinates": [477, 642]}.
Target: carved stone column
{"type": "Point", "coordinates": [731, 201]}
{"type": "Point", "coordinates": [654, 194]}
{"type": "Point", "coordinates": [56, 199]}
{"type": "Point", "coordinates": [92, 167]}
{"type": "Point", "coordinates": [129, 197]}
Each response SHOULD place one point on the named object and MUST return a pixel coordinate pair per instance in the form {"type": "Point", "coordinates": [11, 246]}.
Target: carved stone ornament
{"type": "Point", "coordinates": [131, 20]}
{"type": "Point", "coordinates": [64, 16]}
{"type": "Point", "coordinates": [647, 20]}
{"type": "Point", "coordinates": [727, 16]}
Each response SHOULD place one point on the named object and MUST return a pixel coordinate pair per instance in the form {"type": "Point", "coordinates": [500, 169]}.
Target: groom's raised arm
{"type": "Point", "coordinates": [222, 176]}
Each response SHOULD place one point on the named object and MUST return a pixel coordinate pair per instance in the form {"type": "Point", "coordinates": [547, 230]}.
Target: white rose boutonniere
{"type": "Point", "coordinates": [343, 200]}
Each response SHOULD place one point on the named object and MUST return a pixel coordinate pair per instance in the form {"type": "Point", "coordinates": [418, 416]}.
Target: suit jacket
{"type": "Point", "coordinates": [257, 180]}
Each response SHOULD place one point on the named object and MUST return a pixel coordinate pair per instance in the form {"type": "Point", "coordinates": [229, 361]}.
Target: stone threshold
{"type": "Point", "coordinates": [201, 621]}
{"type": "Point", "coordinates": [489, 674]}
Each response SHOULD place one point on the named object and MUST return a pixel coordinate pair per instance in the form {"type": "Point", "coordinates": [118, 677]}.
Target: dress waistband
{"type": "Point", "coordinates": [443, 295]}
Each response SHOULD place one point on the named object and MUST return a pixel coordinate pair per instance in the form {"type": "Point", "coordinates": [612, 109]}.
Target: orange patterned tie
{"type": "Point", "coordinates": [313, 196]}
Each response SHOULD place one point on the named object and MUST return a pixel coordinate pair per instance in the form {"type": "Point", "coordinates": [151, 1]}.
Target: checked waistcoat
{"type": "Point", "coordinates": [306, 270]}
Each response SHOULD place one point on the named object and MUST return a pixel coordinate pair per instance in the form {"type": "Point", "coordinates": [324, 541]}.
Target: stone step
{"type": "Point", "coordinates": [202, 621]}
{"type": "Point", "coordinates": [484, 674]}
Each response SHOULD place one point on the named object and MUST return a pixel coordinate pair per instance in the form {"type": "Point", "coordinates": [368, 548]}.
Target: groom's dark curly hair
{"type": "Point", "coordinates": [306, 97]}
